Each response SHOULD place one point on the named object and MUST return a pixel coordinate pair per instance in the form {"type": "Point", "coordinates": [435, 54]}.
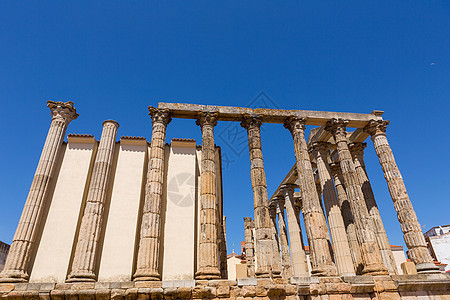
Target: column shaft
{"type": "Point", "coordinates": [223, 249]}
{"type": "Point", "coordinates": [357, 151]}
{"type": "Point", "coordinates": [147, 264]}
{"type": "Point", "coordinates": [249, 247]}
{"type": "Point", "coordinates": [263, 231]}
{"type": "Point", "coordinates": [347, 217]}
{"type": "Point", "coordinates": [298, 255]}
{"type": "Point", "coordinates": [84, 261]}
{"type": "Point", "coordinates": [276, 263]}
{"type": "Point", "coordinates": [342, 255]}
{"type": "Point", "coordinates": [373, 263]}
{"type": "Point", "coordinates": [285, 256]}
{"type": "Point", "coordinates": [208, 252]}
{"type": "Point", "coordinates": [17, 262]}
{"type": "Point", "coordinates": [412, 231]}
{"type": "Point", "coordinates": [315, 223]}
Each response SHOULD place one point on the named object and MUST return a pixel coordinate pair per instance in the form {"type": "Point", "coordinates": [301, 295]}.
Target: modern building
{"type": "Point", "coordinates": [438, 241]}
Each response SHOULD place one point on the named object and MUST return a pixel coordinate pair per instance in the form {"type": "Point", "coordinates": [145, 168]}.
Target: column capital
{"type": "Point", "coordinates": [335, 169]}
{"type": "Point", "coordinates": [251, 121]}
{"type": "Point", "coordinates": [207, 118]}
{"type": "Point", "coordinates": [288, 187]}
{"type": "Point", "coordinates": [337, 126]}
{"type": "Point", "coordinates": [159, 115]}
{"type": "Point", "coordinates": [62, 110]}
{"type": "Point", "coordinates": [319, 147]}
{"type": "Point", "coordinates": [357, 149]}
{"type": "Point", "coordinates": [279, 203]}
{"type": "Point", "coordinates": [272, 211]}
{"type": "Point", "coordinates": [248, 222]}
{"type": "Point", "coordinates": [295, 123]}
{"type": "Point", "coordinates": [375, 127]}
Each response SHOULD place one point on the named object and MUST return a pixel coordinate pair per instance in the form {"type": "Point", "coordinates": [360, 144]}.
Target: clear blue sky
{"type": "Point", "coordinates": [113, 59]}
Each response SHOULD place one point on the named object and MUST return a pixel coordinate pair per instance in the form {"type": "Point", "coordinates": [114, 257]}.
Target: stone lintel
{"type": "Point", "coordinates": [229, 113]}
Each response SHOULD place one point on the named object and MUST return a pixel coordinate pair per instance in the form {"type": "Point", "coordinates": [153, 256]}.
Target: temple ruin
{"type": "Point", "coordinates": [137, 220]}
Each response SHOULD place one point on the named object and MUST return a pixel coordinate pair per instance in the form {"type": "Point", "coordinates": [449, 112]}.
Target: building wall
{"type": "Point", "coordinates": [117, 251]}
{"type": "Point", "coordinates": [4, 249]}
{"type": "Point", "coordinates": [440, 246]}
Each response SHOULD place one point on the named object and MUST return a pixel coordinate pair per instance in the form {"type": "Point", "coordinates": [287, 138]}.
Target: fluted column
{"type": "Point", "coordinates": [373, 263]}
{"type": "Point", "coordinates": [298, 255]}
{"type": "Point", "coordinates": [147, 263]}
{"type": "Point", "coordinates": [17, 262]}
{"type": "Point", "coordinates": [342, 256]}
{"type": "Point", "coordinates": [285, 256]}
{"type": "Point", "coordinates": [347, 217]}
{"type": "Point", "coordinates": [276, 262]}
{"type": "Point", "coordinates": [412, 231]}
{"type": "Point", "coordinates": [263, 232]}
{"type": "Point", "coordinates": [223, 249]}
{"type": "Point", "coordinates": [249, 247]}
{"type": "Point", "coordinates": [208, 260]}
{"type": "Point", "coordinates": [357, 151]}
{"type": "Point", "coordinates": [84, 261]}
{"type": "Point", "coordinates": [315, 223]}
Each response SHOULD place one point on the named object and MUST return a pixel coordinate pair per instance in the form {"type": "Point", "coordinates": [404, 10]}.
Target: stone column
{"type": "Point", "coordinates": [147, 263]}
{"type": "Point", "coordinates": [373, 263]}
{"type": "Point", "coordinates": [412, 231]}
{"type": "Point", "coordinates": [357, 151]}
{"type": "Point", "coordinates": [276, 260]}
{"type": "Point", "coordinates": [223, 249]}
{"type": "Point", "coordinates": [84, 261]}
{"type": "Point", "coordinates": [249, 247]}
{"type": "Point", "coordinates": [347, 217]}
{"type": "Point", "coordinates": [263, 232]}
{"type": "Point", "coordinates": [208, 260]}
{"type": "Point", "coordinates": [342, 256]}
{"type": "Point", "coordinates": [298, 255]}
{"type": "Point", "coordinates": [285, 256]}
{"type": "Point", "coordinates": [315, 223]}
{"type": "Point", "coordinates": [17, 262]}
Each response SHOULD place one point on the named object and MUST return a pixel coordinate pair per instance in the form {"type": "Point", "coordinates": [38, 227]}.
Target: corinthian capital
{"type": "Point", "coordinates": [207, 118]}
{"type": "Point", "coordinates": [294, 124]}
{"type": "Point", "coordinates": [159, 115]}
{"type": "Point", "coordinates": [62, 110]}
{"type": "Point", "coordinates": [320, 147]}
{"type": "Point", "coordinates": [251, 121]}
{"type": "Point", "coordinates": [337, 127]}
{"type": "Point", "coordinates": [357, 149]}
{"type": "Point", "coordinates": [375, 127]}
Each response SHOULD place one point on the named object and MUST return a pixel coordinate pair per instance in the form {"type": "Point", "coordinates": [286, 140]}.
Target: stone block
{"type": "Point", "coordinates": [360, 284]}
{"type": "Point", "coordinates": [57, 294]}
{"type": "Point", "coordinates": [6, 287]}
{"type": "Point", "coordinates": [148, 284]}
{"type": "Point", "coordinates": [83, 285]}
{"type": "Point", "coordinates": [33, 287]}
{"type": "Point", "coordinates": [177, 283]}
{"type": "Point", "coordinates": [304, 280]}
{"type": "Point", "coordinates": [184, 292]}
{"type": "Point", "coordinates": [102, 294]}
{"type": "Point", "coordinates": [221, 282]}
{"type": "Point", "coordinates": [408, 268]}
{"type": "Point", "coordinates": [44, 295]}
{"type": "Point", "coordinates": [248, 291]}
{"type": "Point", "coordinates": [223, 291]}
{"type": "Point", "coordinates": [290, 289]}
{"type": "Point", "coordinates": [87, 294]}
{"type": "Point", "coordinates": [117, 294]}
{"type": "Point", "coordinates": [246, 281]}
{"type": "Point", "coordinates": [275, 290]}
{"type": "Point", "coordinates": [261, 291]}
{"type": "Point", "coordinates": [63, 286]}
{"type": "Point", "coordinates": [131, 294]}
{"type": "Point", "coordinates": [15, 295]}
{"type": "Point", "coordinates": [127, 285]}
{"type": "Point", "coordinates": [21, 286]}
{"type": "Point", "coordinates": [47, 287]}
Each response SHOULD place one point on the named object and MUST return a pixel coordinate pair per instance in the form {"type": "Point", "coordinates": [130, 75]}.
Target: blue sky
{"type": "Point", "coordinates": [115, 58]}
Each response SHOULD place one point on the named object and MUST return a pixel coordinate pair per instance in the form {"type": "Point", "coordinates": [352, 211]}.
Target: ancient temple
{"type": "Point", "coordinates": [137, 220]}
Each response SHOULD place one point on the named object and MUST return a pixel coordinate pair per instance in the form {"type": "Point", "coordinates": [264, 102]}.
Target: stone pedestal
{"type": "Point", "coordinates": [373, 263]}
{"type": "Point", "coordinates": [263, 232]}
{"type": "Point", "coordinates": [342, 256]}
{"type": "Point", "coordinates": [357, 151]}
{"type": "Point", "coordinates": [147, 265]}
{"type": "Point", "coordinates": [315, 223]}
{"type": "Point", "coordinates": [412, 231]}
{"type": "Point", "coordinates": [86, 252]}
{"type": "Point", "coordinates": [208, 260]}
{"type": "Point", "coordinates": [17, 262]}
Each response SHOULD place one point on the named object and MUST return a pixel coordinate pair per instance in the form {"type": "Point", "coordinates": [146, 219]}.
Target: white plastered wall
{"type": "Point", "coordinates": [54, 251]}
{"type": "Point", "coordinates": [116, 262]}
{"type": "Point", "coordinates": [179, 227]}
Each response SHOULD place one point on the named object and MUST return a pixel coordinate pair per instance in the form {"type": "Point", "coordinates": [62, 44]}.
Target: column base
{"type": "Point", "coordinates": [13, 276]}
{"type": "Point", "coordinates": [374, 270]}
{"type": "Point", "coordinates": [146, 275]}
{"type": "Point", "coordinates": [428, 267]}
{"type": "Point", "coordinates": [81, 277]}
{"type": "Point", "coordinates": [207, 273]}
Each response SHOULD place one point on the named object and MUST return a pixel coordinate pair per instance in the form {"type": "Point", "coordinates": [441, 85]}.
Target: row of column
{"type": "Point", "coordinates": [268, 264]}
